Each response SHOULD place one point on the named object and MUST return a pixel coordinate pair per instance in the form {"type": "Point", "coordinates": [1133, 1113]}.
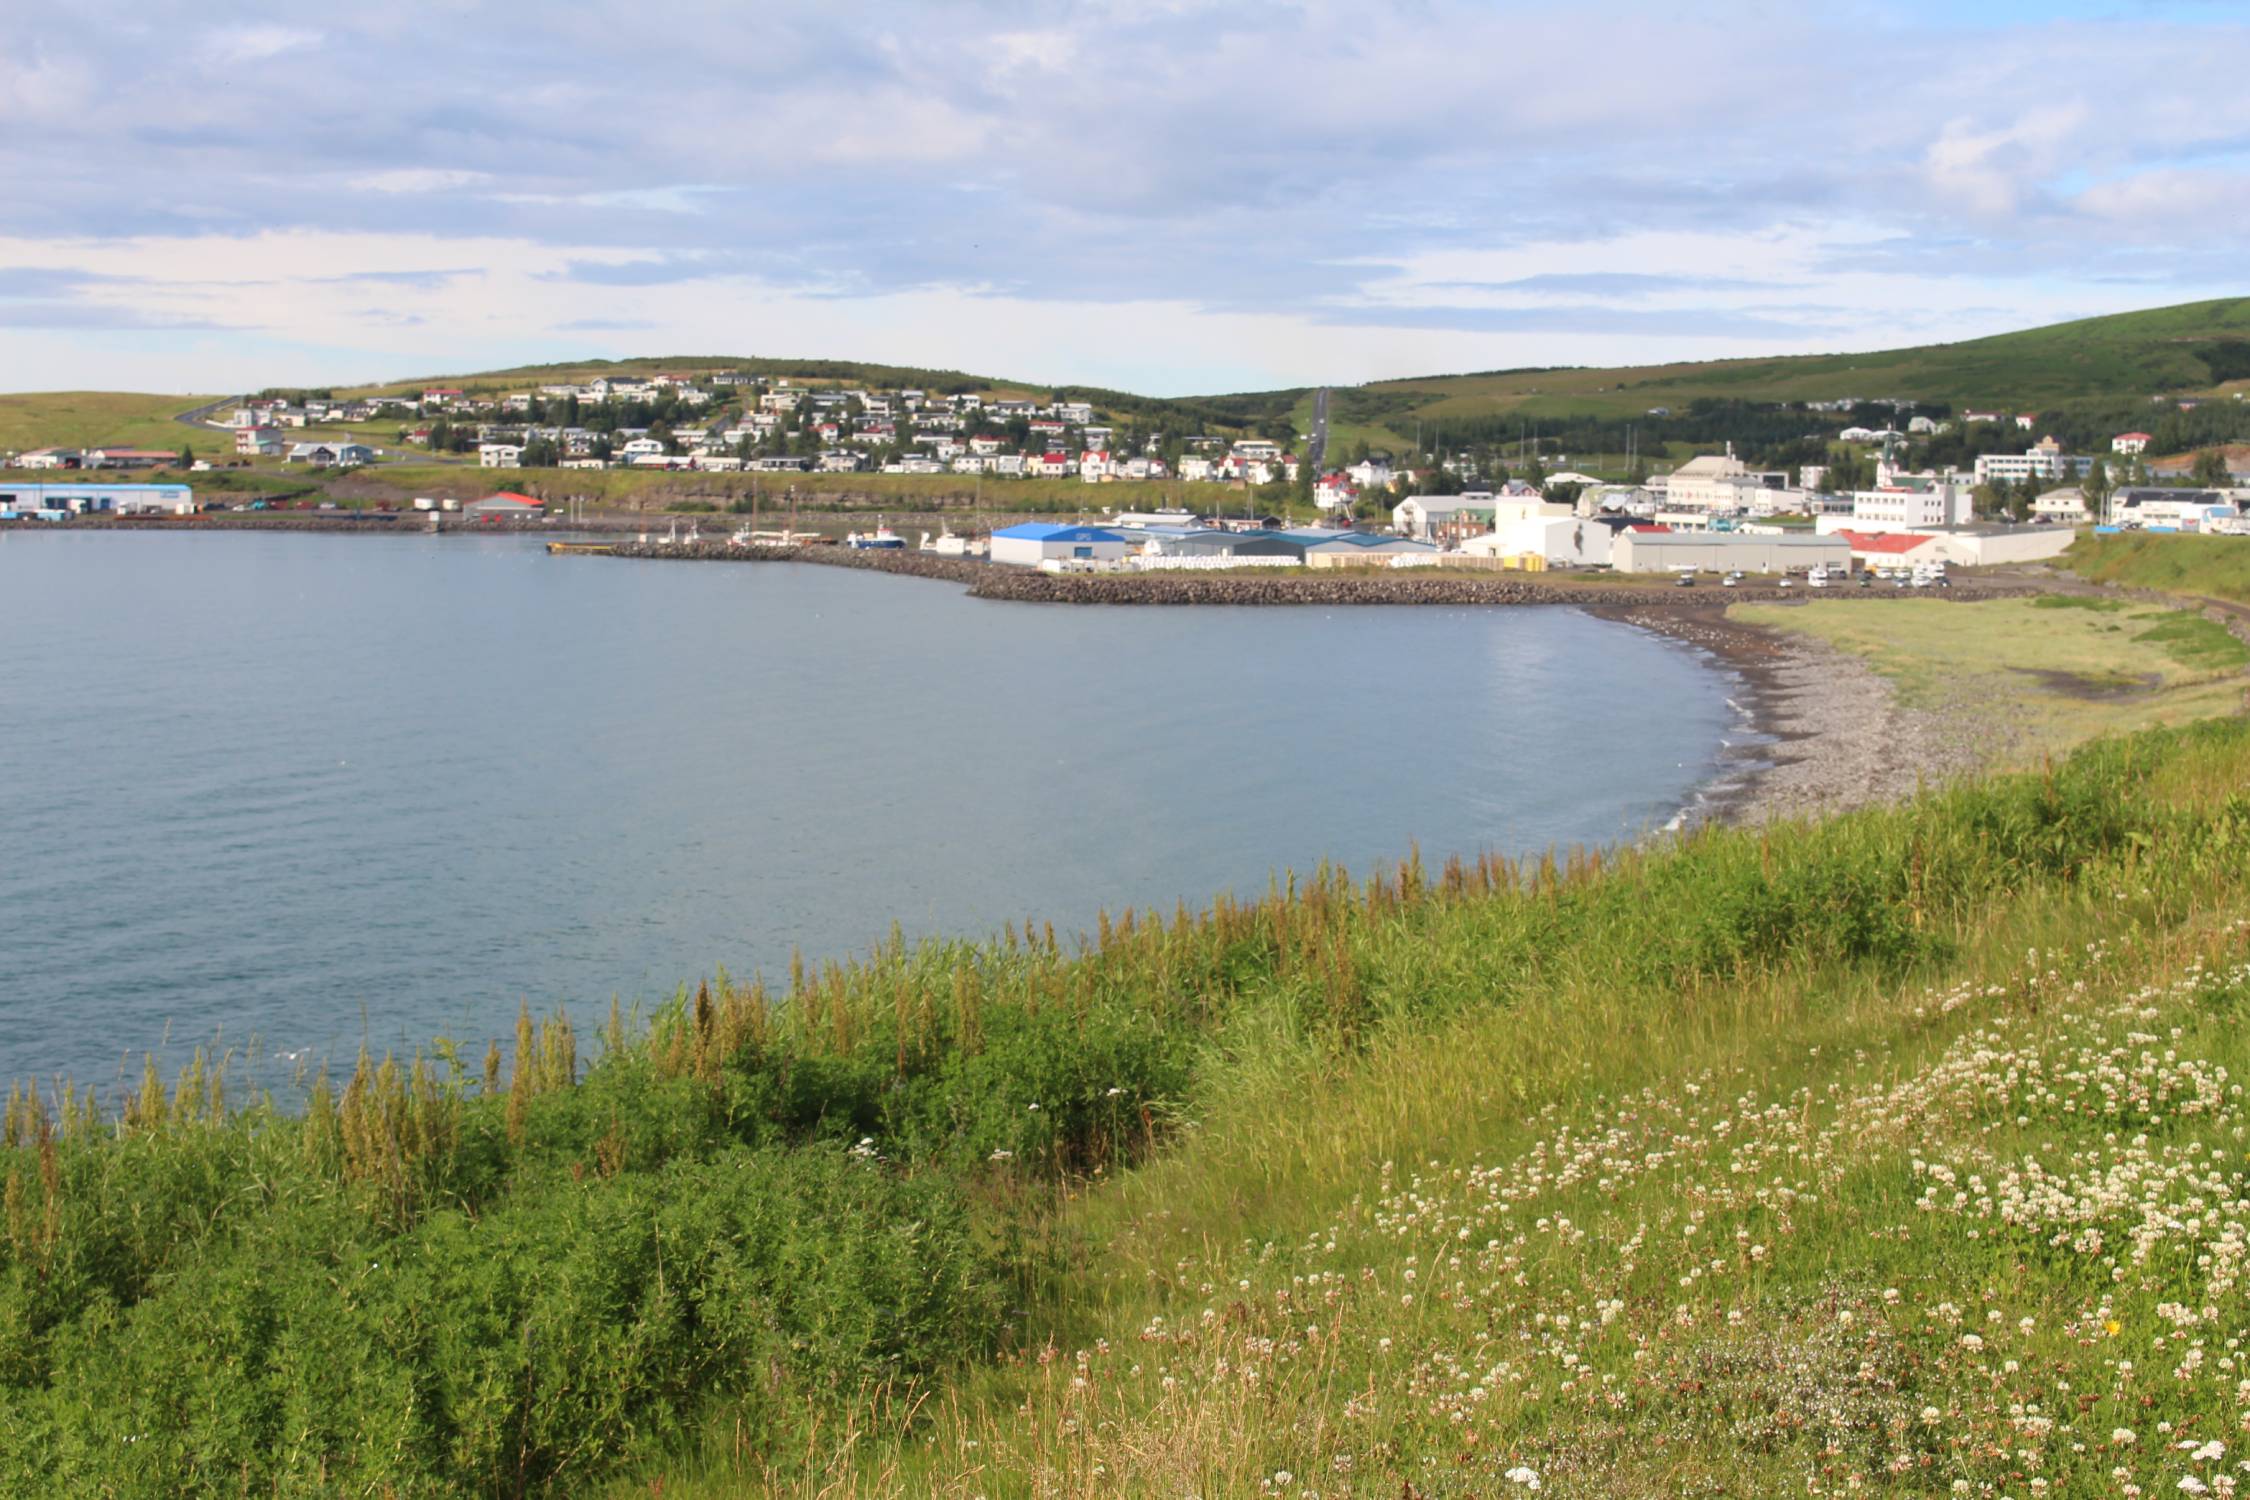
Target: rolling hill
{"type": "Point", "coordinates": [2196, 346]}
{"type": "Point", "coordinates": [2192, 347]}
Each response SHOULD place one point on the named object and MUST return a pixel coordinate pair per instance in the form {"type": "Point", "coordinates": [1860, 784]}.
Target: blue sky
{"type": "Point", "coordinates": [1173, 196]}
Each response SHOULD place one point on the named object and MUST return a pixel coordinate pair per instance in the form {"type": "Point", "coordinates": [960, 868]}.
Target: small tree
{"type": "Point", "coordinates": [2211, 472]}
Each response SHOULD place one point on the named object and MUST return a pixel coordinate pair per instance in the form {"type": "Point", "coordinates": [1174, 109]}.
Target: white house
{"type": "Point", "coordinates": [2061, 507]}
{"type": "Point", "coordinates": [257, 442]}
{"type": "Point", "coordinates": [1370, 474]}
{"type": "Point", "coordinates": [331, 455]}
{"type": "Point", "coordinates": [500, 455]}
{"type": "Point", "coordinates": [1716, 482]}
{"type": "Point", "coordinates": [2130, 442]}
{"type": "Point", "coordinates": [1329, 491]}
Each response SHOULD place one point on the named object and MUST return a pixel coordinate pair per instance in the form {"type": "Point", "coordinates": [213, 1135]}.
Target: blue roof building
{"type": "Point", "coordinates": [1037, 542]}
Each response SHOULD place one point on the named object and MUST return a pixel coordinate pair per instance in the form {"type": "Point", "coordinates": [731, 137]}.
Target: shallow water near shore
{"type": "Point", "coordinates": [306, 789]}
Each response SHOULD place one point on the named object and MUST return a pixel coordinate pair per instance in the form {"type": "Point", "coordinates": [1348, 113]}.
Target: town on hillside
{"type": "Point", "coordinates": [1722, 487]}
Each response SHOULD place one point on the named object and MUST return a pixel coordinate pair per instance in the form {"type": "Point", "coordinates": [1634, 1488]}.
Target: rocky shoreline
{"type": "Point", "coordinates": [1830, 733]}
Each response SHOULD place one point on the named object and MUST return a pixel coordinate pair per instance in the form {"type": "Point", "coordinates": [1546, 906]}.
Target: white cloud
{"type": "Point", "coordinates": [1991, 173]}
{"type": "Point", "coordinates": [418, 180]}
{"type": "Point", "coordinates": [255, 44]}
{"type": "Point", "coordinates": [1207, 193]}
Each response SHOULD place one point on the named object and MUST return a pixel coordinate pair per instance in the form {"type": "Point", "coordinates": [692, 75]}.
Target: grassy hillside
{"type": "Point", "coordinates": [2195, 346]}
{"type": "Point", "coordinates": [86, 419]}
{"type": "Point", "coordinates": [2215, 567]}
{"type": "Point", "coordinates": [1634, 1172]}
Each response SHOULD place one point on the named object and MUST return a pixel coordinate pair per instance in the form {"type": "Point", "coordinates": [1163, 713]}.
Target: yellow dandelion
{"type": "Point", "coordinates": [2113, 1328]}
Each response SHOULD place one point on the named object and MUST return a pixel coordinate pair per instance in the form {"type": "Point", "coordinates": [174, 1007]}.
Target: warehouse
{"type": "Point", "coordinates": [1352, 549]}
{"type": "Point", "coordinates": [1645, 550]}
{"type": "Point", "coordinates": [1165, 541]}
{"type": "Point", "coordinates": [505, 505]}
{"type": "Point", "coordinates": [1554, 542]}
{"type": "Point", "coordinates": [103, 499]}
{"type": "Point", "coordinates": [1037, 542]}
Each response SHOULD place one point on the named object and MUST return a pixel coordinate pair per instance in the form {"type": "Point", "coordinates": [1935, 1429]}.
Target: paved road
{"type": "Point", "coordinates": [200, 417]}
{"type": "Point", "coordinates": [1316, 451]}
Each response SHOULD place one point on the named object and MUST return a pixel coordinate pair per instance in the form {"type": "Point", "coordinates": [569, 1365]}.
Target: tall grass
{"type": "Point", "coordinates": [782, 1210]}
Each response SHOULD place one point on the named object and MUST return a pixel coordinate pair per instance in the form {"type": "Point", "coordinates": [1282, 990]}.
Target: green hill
{"type": "Point", "coordinates": [88, 419]}
{"type": "Point", "coordinates": [2197, 346]}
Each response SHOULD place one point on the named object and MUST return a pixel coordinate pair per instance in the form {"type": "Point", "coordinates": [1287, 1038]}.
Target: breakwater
{"type": "Point", "coordinates": [1330, 587]}
{"type": "Point", "coordinates": [344, 521]}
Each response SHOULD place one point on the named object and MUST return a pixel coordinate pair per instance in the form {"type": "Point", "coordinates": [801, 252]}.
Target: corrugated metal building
{"type": "Point", "coordinates": [1638, 550]}
{"type": "Point", "coordinates": [1035, 542]}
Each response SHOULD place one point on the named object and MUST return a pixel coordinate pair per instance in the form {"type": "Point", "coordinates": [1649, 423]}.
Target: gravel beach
{"type": "Point", "coordinates": [1832, 735]}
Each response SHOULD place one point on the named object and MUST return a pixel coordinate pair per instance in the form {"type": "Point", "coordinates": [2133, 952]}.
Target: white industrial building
{"type": "Point", "coordinates": [2043, 460]}
{"type": "Point", "coordinates": [17, 500]}
{"type": "Point", "coordinates": [1986, 546]}
{"type": "Point", "coordinates": [1557, 541]}
{"type": "Point", "coordinates": [1639, 549]}
{"type": "Point", "coordinates": [1905, 506]}
{"type": "Point", "coordinates": [2183, 510]}
{"type": "Point", "coordinates": [1038, 542]}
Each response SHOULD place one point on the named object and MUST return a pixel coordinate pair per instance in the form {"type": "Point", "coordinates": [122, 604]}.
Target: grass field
{"type": "Point", "coordinates": [2216, 567]}
{"type": "Point", "coordinates": [86, 419]}
{"type": "Point", "coordinates": [2044, 673]}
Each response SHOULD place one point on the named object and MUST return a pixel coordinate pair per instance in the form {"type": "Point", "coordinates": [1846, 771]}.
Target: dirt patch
{"type": "Point", "coordinates": [2091, 687]}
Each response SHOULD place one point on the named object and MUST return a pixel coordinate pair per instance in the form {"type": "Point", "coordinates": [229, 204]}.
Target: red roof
{"type": "Point", "coordinates": [1894, 542]}
{"type": "Point", "coordinates": [1644, 530]}
{"type": "Point", "coordinates": [512, 495]}
{"type": "Point", "coordinates": [2128, 436]}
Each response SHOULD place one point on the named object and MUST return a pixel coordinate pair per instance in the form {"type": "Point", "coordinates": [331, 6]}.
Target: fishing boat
{"type": "Point", "coordinates": [946, 543]}
{"type": "Point", "coordinates": [881, 539]}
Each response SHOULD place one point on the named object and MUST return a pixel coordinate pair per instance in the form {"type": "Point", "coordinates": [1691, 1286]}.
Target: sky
{"type": "Point", "coordinates": [1173, 197]}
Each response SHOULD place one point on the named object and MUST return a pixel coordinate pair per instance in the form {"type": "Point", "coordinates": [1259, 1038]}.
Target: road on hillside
{"type": "Point", "coordinates": [1317, 450]}
{"type": "Point", "coordinates": [201, 416]}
